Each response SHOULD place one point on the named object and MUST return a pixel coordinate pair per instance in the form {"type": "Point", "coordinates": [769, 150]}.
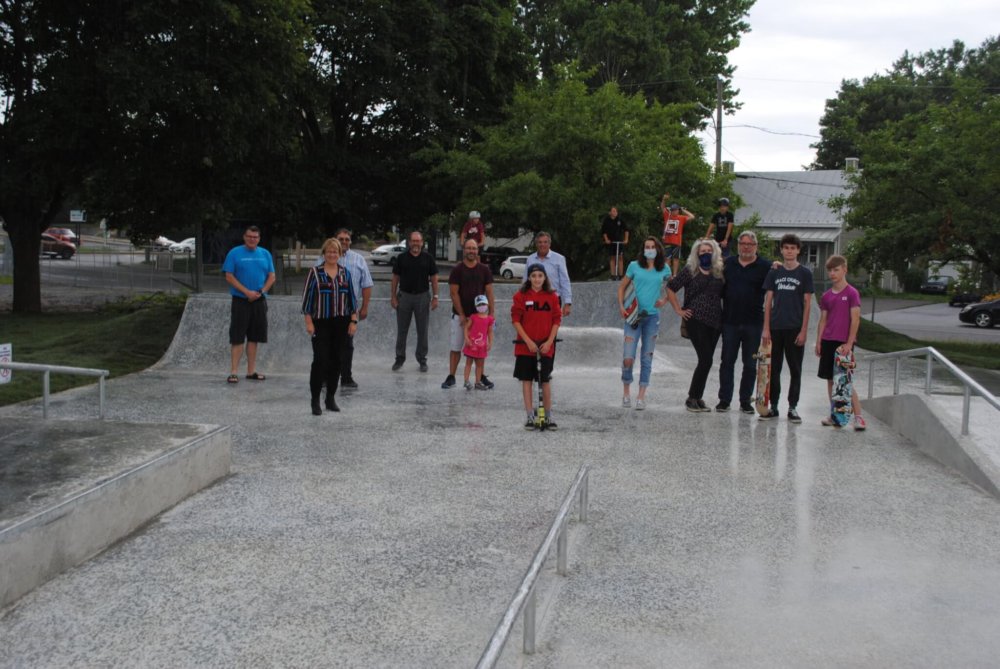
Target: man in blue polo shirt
{"type": "Point", "coordinates": [250, 274]}
{"type": "Point", "coordinates": [742, 319]}
{"type": "Point", "coordinates": [555, 268]}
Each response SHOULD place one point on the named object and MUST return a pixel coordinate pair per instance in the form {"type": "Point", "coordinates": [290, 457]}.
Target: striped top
{"type": "Point", "coordinates": [328, 297]}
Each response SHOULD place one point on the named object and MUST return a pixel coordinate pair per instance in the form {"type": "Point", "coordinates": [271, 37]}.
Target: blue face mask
{"type": "Point", "coordinates": [705, 260]}
{"type": "Point", "coordinates": [649, 253]}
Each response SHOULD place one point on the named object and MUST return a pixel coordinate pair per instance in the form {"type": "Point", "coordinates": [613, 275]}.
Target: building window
{"type": "Point", "coordinates": [810, 254]}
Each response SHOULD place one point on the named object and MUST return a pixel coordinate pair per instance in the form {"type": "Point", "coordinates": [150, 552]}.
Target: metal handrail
{"type": "Point", "coordinates": [969, 384]}
{"type": "Point", "coordinates": [46, 370]}
{"type": "Point", "coordinates": [524, 597]}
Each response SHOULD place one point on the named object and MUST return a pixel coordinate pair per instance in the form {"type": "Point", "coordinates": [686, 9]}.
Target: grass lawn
{"type": "Point", "coordinates": [874, 337]}
{"type": "Point", "coordinates": [122, 337]}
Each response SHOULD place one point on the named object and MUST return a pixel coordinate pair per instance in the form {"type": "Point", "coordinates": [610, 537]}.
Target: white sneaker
{"type": "Point", "coordinates": [626, 402]}
{"type": "Point", "coordinates": [640, 405]}
{"type": "Point", "coordinates": [468, 385]}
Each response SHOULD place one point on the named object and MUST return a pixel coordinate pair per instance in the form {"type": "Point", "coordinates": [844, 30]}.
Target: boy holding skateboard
{"type": "Point", "coordinates": [839, 320]}
{"type": "Point", "coordinates": [786, 323]}
{"type": "Point", "coordinates": [536, 316]}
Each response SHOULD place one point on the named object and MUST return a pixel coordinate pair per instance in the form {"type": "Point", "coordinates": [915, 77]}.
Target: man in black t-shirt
{"type": "Point", "coordinates": [721, 227]}
{"type": "Point", "coordinates": [412, 274]}
{"type": "Point", "coordinates": [467, 280]}
{"type": "Point", "coordinates": [614, 233]}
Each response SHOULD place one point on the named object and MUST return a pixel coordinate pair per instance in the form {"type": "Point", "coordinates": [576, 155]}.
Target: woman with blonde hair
{"type": "Point", "coordinates": [702, 281]}
{"type": "Point", "coordinates": [331, 316]}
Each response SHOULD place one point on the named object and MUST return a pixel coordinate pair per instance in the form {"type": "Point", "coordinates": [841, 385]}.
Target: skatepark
{"type": "Point", "coordinates": [394, 533]}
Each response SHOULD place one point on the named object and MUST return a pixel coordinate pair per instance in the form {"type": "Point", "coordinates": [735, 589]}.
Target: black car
{"type": "Point", "coordinates": [936, 285]}
{"type": "Point", "coordinates": [981, 314]}
{"type": "Point", "coordinates": [962, 299]}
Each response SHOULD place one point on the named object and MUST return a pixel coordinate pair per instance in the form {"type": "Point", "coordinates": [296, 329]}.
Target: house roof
{"type": "Point", "coordinates": [794, 200]}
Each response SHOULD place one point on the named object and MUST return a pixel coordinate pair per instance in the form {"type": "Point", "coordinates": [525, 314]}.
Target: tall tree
{"type": "Point", "coordinates": [929, 186]}
{"type": "Point", "coordinates": [564, 155]}
{"type": "Point", "coordinates": [389, 78]}
{"type": "Point", "coordinates": [149, 113]}
{"type": "Point", "coordinates": [668, 51]}
{"type": "Point", "coordinates": [908, 87]}
{"type": "Point", "coordinates": [51, 103]}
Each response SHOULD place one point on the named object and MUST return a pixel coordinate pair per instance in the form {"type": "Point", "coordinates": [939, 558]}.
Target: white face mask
{"type": "Point", "coordinates": [483, 308]}
{"type": "Point", "coordinates": [649, 253]}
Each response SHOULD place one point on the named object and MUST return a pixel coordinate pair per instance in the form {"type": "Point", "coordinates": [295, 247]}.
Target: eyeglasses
{"type": "Point", "coordinates": [748, 243]}
{"type": "Point", "coordinates": [344, 240]}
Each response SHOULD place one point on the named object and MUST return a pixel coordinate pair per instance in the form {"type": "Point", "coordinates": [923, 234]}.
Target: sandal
{"type": "Point", "coordinates": [256, 377]}
{"type": "Point", "coordinates": [232, 378]}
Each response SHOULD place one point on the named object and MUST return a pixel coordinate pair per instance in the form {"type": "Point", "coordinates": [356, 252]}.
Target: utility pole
{"type": "Point", "coordinates": [718, 125]}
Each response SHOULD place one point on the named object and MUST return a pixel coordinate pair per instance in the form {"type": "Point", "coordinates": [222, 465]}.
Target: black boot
{"type": "Point", "coordinates": [317, 411]}
{"type": "Point", "coordinates": [331, 403]}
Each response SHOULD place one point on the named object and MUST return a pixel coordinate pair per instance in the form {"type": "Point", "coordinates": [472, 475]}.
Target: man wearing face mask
{"type": "Point", "coordinates": [742, 319]}
{"type": "Point", "coordinates": [468, 279]}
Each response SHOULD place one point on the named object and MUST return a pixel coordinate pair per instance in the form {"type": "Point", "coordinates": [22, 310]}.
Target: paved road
{"type": "Point", "coordinates": [935, 322]}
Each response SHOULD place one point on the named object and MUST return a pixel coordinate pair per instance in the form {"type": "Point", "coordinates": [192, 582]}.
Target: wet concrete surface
{"type": "Point", "coordinates": [393, 533]}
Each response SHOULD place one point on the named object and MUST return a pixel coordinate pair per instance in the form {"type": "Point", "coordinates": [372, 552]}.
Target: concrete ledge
{"type": "Point", "coordinates": [38, 544]}
{"type": "Point", "coordinates": [938, 435]}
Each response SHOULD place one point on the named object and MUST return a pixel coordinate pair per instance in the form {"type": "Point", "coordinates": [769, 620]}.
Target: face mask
{"type": "Point", "coordinates": [483, 308]}
{"type": "Point", "coordinates": [705, 260]}
{"type": "Point", "coordinates": [649, 253]}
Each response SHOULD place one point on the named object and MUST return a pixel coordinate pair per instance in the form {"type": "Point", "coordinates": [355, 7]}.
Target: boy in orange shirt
{"type": "Point", "coordinates": [675, 218]}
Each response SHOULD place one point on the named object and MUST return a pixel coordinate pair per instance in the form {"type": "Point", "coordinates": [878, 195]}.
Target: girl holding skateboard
{"type": "Point", "coordinates": [647, 272]}
{"type": "Point", "coordinates": [536, 316]}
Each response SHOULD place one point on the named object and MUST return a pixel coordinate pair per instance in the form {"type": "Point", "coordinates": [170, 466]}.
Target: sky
{"type": "Point", "coordinates": [798, 51]}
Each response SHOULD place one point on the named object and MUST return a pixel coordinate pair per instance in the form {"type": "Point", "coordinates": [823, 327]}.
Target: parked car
{"type": "Point", "coordinates": [936, 285]}
{"type": "Point", "coordinates": [962, 299]}
{"type": "Point", "coordinates": [64, 234]}
{"type": "Point", "coordinates": [494, 256]}
{"type": "Point", "coordinates": [981, 314]}
{"type": "Point", "coordinates": [54, 247]}
{"type": "Point", "coordinates": [513, 267]}
{"type": "Point", "coordinates": [162, 243]}
{"type": "Point", "coordinates": [185, 246]}
{"type": "Point", "coordinates": [386, 254]}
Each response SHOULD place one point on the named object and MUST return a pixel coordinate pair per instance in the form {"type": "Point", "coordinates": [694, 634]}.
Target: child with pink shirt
{"type": "Point", "coordinates": [839, 320]}
{"type": "Point", "coordinates": [478, 341]}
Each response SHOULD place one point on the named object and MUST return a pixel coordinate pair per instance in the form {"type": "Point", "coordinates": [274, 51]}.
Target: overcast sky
{"type": "Point", "coordinates": [798, 51]}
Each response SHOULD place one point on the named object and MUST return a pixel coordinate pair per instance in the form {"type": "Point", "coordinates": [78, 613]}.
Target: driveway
{"type": "Point", "coordinates": [937, 322]}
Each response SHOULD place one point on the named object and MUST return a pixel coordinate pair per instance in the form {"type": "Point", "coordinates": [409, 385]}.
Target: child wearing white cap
{"type": "Point", "coordinates": [478, 341]}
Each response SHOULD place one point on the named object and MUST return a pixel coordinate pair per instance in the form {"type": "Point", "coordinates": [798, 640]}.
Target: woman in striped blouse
{"type": "Point", "coordinates": [331, 317]}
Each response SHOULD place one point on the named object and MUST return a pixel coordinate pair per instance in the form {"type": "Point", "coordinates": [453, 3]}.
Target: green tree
{"type": "Point", "coordinates": [388, 79]}
{"type": "Point", "coordinates": [908, 87]}
{"type": "Point", "coordinates": [671, 52]}
{"type": "Point", "coordinates": [564, 155]}
{"type": "Point", "coordinates": [150, 114]}
{"type": "Point", "coordinates": [928, 188]}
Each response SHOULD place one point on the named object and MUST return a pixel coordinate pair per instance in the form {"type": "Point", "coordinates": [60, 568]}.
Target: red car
{"type": "Point", "coordinates": [64, 234]}
{"type": "Point", "coordinates": [57, 248]}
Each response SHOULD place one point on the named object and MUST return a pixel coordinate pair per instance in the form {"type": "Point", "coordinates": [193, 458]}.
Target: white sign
{"type": "Point", "coordinates": [77, 216]}
{"type": "Point", "coordinates": [6, 355]}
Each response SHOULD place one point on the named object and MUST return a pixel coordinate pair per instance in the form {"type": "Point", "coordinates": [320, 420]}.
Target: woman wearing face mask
{"type": "Point", "coordinates": [701, 279]}
{"type": "Point", "coordinates": [648, 272]}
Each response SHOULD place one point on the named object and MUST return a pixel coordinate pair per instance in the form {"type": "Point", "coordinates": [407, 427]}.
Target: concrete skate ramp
{"type": "Point", "coordinates": [201, 342]}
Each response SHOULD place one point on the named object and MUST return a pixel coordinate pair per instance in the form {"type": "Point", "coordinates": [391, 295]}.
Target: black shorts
{"type": "Point", "coordinates": [670, 251]}
{"type": "Point", "coordinates": [248, 321]}
{"type": "Point", "coordinates": [526, 368]}
{"type": "Point", "coordinates": [827, 351]}
{"type": "Point", "coordinates": [610, 248]}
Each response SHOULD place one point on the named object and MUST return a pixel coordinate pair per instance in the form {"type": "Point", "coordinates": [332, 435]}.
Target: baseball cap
{"type": "Point", "coordinates": [723, 200]}
{"type": "Point", "coordinates": [481, 299]}
{"type": "Point", "coordinates": [474, 214]}
{"type": "Point", "coordinates": [674, 206]}
{"type": "Point", "coordinates": [536, 267]}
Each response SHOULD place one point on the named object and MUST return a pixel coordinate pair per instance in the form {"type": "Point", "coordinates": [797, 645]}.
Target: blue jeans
{"type": "Point", "coordinates": [647, 331]}
{"type": "Point", "coordinates": [737, 339]}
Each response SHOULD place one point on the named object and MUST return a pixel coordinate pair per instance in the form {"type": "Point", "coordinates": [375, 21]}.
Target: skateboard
{"type": "Point", "coordinates": [762, 402]}
{"type": "Point", "coordinates": [841, 408]}
{"type": "Point", "coordinates": [633, 316]}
